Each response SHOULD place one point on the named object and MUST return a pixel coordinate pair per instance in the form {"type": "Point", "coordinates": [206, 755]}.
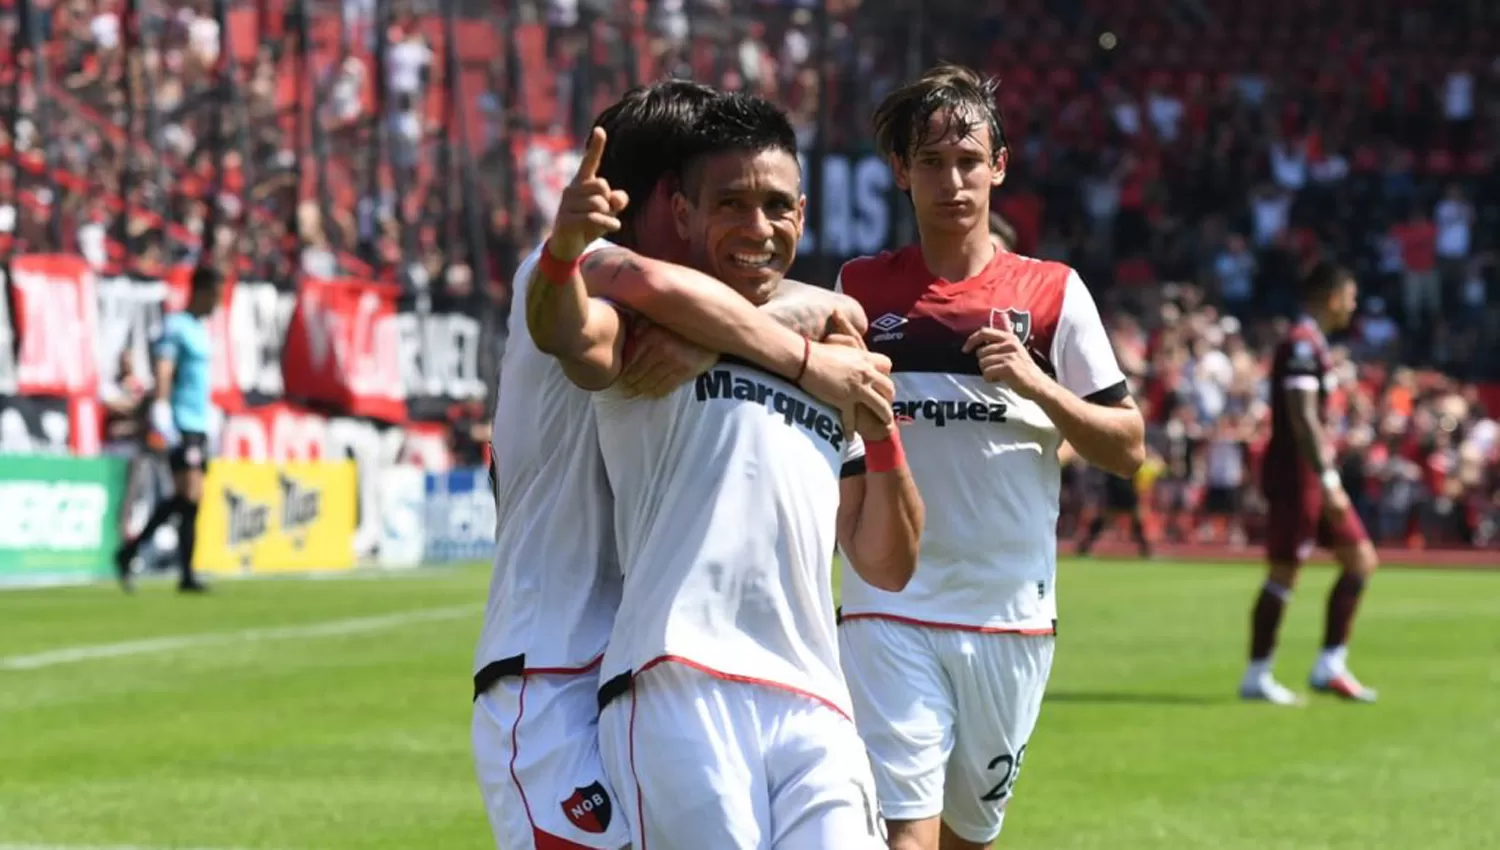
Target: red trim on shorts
{"type": "Point", "coordinates": [515, 752]}
{"type": "Point", "coordinates": [1047, 631]}
{"type": "Point", "coordinates": [640, 801]}
{"type": "Point", "coordinates": [542, 840]}
{"type": "Point", "coordinates": [548, 841]}
{"type": "Point", "coordinates": [746, 680]}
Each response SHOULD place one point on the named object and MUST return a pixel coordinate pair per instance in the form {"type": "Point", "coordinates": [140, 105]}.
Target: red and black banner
{"type": "Point", "coordinates": [344, 347]}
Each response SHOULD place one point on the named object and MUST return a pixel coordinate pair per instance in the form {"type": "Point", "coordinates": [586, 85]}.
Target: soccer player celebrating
{"type": "Point", "coordinates": [556, 581]}
{"type": "Point", "coordinates": [179, 421]}
{"type": "Point", "coordinates": [1308, 505]}
{"type": "Point", "coordinates": [724, 709]}
{"type": "Point", "coordinates": [997, 360]}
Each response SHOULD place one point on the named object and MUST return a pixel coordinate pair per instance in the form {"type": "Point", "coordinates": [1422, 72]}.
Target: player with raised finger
{"type": "Point", "coordinates": [725, 720]}
{"type": "Point", "coordinates": [556, 581]}
{"type": "Point", "coordinates": [997, 360]}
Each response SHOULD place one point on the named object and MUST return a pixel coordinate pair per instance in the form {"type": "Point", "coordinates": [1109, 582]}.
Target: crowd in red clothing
{"type": "Point", "coordinates": [1217, 143]}
{"type": "Point", "coordinates": [1419, 451]}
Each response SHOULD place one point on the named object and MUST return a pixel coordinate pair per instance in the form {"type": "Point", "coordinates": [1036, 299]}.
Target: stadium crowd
{"type": "Point", "coordinates": [1212, 144]}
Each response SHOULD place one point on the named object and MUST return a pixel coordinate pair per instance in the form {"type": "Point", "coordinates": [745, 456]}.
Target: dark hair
{"type": "Point", "coordinates": [1322, 278]}
{"type": "Point", "coordinates": [205, 279]}
{"type": "Point", "coordinates": [738, 122]}
{"type": "Point", "coordinates": [901, 121]}
{"type": "Point", "coordinates": [652, 130]}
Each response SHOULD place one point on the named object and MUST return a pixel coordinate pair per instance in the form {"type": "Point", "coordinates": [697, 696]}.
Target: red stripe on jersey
{"type": "Point", "coordinates": [746, 680]}
{"type": "Point", "coordinates": [952, 627]}
{"type": "Point", "coordinates": [911, 309]}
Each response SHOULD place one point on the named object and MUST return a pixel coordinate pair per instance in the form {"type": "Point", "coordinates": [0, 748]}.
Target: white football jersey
{"type": "Point", "coordinates": [726, 498]}
{"type": "Point", "coordinates": [556, 581]}
{"type": "Point", "coordinates": [983, 458]}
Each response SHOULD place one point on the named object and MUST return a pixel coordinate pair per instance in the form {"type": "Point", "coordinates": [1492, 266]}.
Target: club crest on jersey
{"type": "Point", "coordinates": [885, 327]}
{"type": "Point", "coordinates": [1020, 321]}
{"type": "Point", "coordinates": [589, 808]}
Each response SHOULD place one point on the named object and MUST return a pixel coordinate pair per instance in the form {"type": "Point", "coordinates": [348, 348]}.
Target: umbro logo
{"type": "Point", "coordinates": [885, 328]}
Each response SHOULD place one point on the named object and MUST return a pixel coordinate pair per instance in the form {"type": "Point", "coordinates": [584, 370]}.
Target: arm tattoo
{"type": "Point", "coordinates": [541, 294]}
{"type": "Point", "coordinates": [618, 259]}
{"type": "Point", "coordinates": [803, 315]}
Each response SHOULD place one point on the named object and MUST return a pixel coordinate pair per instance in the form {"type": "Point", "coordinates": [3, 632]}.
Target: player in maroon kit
{"type": "Point", "coordinates": [1308, 505]}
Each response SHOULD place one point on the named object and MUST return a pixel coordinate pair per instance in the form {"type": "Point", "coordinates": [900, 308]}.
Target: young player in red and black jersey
{"type": "Point", "coordinates": [1308, 505]}
{"type": "Point", "coordinates": [997, 360]}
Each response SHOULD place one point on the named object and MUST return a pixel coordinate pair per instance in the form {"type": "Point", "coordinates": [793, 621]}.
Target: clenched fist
{"type": "Point", "coordinates": [842, 374]}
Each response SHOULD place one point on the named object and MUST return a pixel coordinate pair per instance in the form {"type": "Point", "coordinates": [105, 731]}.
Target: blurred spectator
{"type": "Point", "coordinates": [1421, 287]}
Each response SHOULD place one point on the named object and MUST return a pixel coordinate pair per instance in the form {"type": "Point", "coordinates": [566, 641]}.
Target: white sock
{"type": "Point", "coordinates": [1333, 658]}
{"type": "Point", "coordinates": [1258, 670]}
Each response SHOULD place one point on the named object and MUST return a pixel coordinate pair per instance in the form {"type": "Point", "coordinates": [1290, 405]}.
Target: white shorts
{"type": "Point", "coordinates": [536, 750]}
{"type": "Point", "coordinates": [706, 762]}
{"type": "Point", "coordinates": [946, 715]}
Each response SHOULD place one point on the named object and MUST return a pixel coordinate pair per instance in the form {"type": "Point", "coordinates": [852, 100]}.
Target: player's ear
{"type": "Point", "coordinates": [801, 216]}
{"type": "Point", "coordinates": [680, 210]}
{"type": "Point", "coordinates": [1002, 159]}
{"type": "Point", "coordinates": [901, 172]}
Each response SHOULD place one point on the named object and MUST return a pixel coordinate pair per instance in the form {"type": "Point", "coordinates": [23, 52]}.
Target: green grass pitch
{"type": "Point", "coordinates": [324, 715]}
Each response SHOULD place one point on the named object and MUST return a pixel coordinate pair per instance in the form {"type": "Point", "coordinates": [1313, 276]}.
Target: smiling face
{"type": "Point", "coordinates": [741, 213]}
{"type": "Point", "coordinates": [951, 175]}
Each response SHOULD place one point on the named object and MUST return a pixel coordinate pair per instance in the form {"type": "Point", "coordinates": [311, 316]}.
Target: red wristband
{"type": "Point", "coordinates": [806, 356]}
{"type": "Point", "coordinates": [556, 271]}
{"type": "Point", "coordinates": [885, 455]}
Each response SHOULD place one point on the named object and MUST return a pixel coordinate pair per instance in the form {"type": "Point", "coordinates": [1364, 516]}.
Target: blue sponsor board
{"type": "Point", "coordinates": [460, 516]}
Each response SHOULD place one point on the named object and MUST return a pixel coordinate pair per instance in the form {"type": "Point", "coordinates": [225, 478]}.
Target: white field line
{"type": "Point", "coordinates": [329, 628]}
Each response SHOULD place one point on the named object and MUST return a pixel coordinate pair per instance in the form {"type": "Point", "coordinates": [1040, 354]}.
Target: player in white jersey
{"type": "Point", "coordinates": [725, 719]}
{"type": "Point", "coordinates": [556, 582]}
{"type": "Point", "coordinates": [997, 359]}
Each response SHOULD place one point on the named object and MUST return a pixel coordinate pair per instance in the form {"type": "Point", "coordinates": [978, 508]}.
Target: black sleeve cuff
{"type": "Point", "coordinates": [1109, 396]}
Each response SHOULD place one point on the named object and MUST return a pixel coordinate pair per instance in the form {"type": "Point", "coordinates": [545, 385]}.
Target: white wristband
{"type": "Point", "coordinates": [1331, 479]}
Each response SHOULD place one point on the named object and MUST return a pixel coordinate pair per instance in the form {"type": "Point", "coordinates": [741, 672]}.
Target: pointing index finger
{"type": "Point", "coordinates": [588, 167]}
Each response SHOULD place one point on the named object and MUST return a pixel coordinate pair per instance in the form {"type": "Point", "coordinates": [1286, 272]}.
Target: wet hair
{"type": "Point", "coordinates": [902, 122]}
{"type": "Point", "coordinates": [1322, 279]}
{"type": "Point", "coordinates": [652, 130]}
{"type": "Point", "coordinates": [738, 123]}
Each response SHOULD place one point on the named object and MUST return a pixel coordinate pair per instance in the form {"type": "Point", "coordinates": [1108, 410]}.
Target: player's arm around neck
{"type": "Point", "coordinates": [697, 308]}
{"type": "Point", "coordinates": [808, 309]}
